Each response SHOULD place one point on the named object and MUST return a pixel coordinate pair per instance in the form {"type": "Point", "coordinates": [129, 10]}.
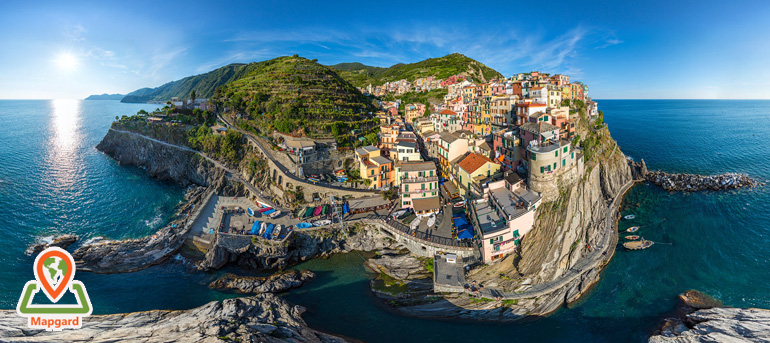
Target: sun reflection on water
{"type": "Point", "coordinates": [65, 139]}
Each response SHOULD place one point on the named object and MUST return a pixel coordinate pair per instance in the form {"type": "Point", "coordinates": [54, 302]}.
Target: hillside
{"type": "Point", "coordinates": [290, 93]}
{"type": "Point", "coordinates": [441, 67]}
{"type": "Point", "coordinates": [105, 96]}
{"type": "Point", "coordinates": [203, 84]}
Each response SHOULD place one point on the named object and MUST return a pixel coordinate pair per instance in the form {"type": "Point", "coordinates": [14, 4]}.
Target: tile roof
{"type": "Point", "coordinates": [448, 137]}
{"type": "Point", "coordinates": [538, 128]}
{"type": "Point", "coordinates": [416, 166]}
{"type": "Point", "coordinates": [380, 160]}
{"type": "Point", "coordinates": [473, 161]}
{"type": "Point", "coordinates": [448, 112]}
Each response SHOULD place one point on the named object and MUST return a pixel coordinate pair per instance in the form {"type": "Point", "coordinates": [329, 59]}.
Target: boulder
{"type": "Point", "coordinates": [258, 284]}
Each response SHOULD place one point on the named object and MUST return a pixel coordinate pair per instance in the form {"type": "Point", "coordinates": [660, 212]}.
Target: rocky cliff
{"type": "Point", "coordinates": [162, 161]}
{"type": "Point", "coordinates": [301, 246]}
{"type": "Point", "coordinates": [260, 318]}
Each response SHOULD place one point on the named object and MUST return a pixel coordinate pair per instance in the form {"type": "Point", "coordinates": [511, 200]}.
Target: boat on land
{"type": "Point", "coordinates": [250, 211]}
{"type": "Point", "coordinates": [304, 225]}
{"type": "Point", "coordinates": [398, 213]}
{"type": "Point", "coordinates": [325, 210]}
{"type": "Point", "coordinates": [431, 220]}
{"type": "Point", "coordinates": [262, 229]}
{"type": "Point", "coordinates": [317, 211]}
{"type": "Point", "coordinates": [632, 237]}
{"type": "Point", "coordinates": [263, 210]}
{"type": "Point", "coordinates": [277, 231]}
{"type": "Point", "coordinates": [632, 229]}
{"type": "Point", "coordinates": [268, 231]}
{"type": "Point", "coordinates": [274, 214]}
{"type": "Point", "coordinates": [459, 204]}
{"type": "Point", "coordinates": [638, 245]}
{"type": "Point", "coordinates": [322, 222]}
{"type": "Point", "coordinates": [630, 216]}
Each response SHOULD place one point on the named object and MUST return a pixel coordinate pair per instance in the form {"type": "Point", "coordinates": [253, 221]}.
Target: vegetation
{"type": "Point", "coordinates": [293, 95]}
{"type": "Point", "coordinates": [431, 97]}
{"type": "Point", "coordinates": [390, 194]}
{"type": "Point", "coordinates": [227, 148]}
{"type": "Point", "coordinates": [441, 67]}
{"type": "Point", "coordinates": [203, 85]}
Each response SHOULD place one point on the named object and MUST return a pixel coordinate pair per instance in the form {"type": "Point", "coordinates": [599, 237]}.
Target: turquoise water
{"type": "Point", "coordinates": [53, 180]}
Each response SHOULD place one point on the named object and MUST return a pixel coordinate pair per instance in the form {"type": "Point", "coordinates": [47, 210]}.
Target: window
{"type": "Point", "coordinates": [556, 153]}
{"type": "Point", "coordinates": [542, 170]}
{"type": "Point", "coordinates": [565, 149]}
{"type": "Point", "coordinates": [497, 248]}
{"type": "Point", "coordinates": [406, 188]}
{"type": "Point", "coordinates": [563, 162]}
{"type": "Point", "coordinates": [554, 166]}
{"type": "Point", "coordinates": [422, 186]}
{"type": "Point", "coordinates": [573, 154]}
{"type": "Point", "coordinates": [515, 233]}
{"type": "Point", "coordinates": [534, 157]}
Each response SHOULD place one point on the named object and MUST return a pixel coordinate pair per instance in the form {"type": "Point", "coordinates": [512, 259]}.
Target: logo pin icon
{"type": "Point", "coordinates": [54, 271]}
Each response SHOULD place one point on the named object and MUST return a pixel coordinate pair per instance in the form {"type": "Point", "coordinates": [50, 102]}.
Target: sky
{"type": "Point", "coordinates": [621, 49]}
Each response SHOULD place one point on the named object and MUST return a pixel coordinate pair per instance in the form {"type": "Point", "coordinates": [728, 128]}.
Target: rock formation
{"type": "Point", "coordinates": [691, 182]}
{"type": "Point", "coordinates": [275, 283]}
{"type": "Point", "coordinates": [301, 246]}
{"type": "Point", "coordinates": [259, 318]}
{"type": "Point", "coordinates": [122, 256]}
{"type": "Point", "coordinates": [62, 241]}
{"type": "Point", "coordinates": [704, 320]}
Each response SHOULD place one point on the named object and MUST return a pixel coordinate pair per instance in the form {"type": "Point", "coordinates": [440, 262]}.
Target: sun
{"type": "Point", "coordinates": [66, 61]}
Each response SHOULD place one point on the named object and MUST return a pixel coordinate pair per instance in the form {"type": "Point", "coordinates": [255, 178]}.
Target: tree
{"type": "Point", "coordinates": [192, 96]}
{"type": "Point", "coordinates": [117, 118]}
{"type": "Point", "coordinates": [142, 112]}
{"type": "Point", "coordinates": [371, 139]}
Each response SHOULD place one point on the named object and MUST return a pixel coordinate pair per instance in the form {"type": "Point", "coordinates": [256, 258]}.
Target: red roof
{"type": "Point", "coordinates": [448, 112]}
{"type": "Point", "coordinates": [473, 161]}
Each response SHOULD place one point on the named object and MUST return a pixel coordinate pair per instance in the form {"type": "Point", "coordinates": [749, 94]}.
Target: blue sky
{"type": "Point", "coordinates": [630, 49]}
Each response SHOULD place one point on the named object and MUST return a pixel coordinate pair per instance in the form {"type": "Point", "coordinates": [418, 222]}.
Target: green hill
{"type": "Point", "coordinates": [441, 67]}
{"type": "Point", "coordinates": [292, 93]}
{"type": "Point", "coordinates": [105, 96]}
{"type": "Point", "coordinates": [203, 84]}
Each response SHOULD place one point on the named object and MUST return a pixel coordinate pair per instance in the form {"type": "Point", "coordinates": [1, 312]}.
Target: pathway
{"type": "Point", "coordinates": [585, 263]}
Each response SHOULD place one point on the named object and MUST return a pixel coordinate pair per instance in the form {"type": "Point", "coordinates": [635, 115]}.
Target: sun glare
{"type": "Point", "coordinates": [66, 61]}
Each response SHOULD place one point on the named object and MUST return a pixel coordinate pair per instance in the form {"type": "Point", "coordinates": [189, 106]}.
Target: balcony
{"type": "Point", "coordinates": [419, 179]}
{"type": "Point", "coordinates": [545, 147]}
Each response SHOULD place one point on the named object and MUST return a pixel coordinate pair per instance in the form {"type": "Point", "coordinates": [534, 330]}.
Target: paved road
{"type": "Point", "coordinates": [584, 264]}
{"type": "Point", "coordinates": [231, 174]}
{"type": "Point", "coordinates": [285, 170]}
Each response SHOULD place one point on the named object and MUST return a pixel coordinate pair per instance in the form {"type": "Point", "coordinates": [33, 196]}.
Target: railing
{"type": "Point", "coordinates": [422, 237]}
{"type": "Point", "coordinates": [419, 179]}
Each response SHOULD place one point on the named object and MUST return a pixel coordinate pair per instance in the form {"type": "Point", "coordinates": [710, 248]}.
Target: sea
{"type": "Point", "coordinates": [53, 180]}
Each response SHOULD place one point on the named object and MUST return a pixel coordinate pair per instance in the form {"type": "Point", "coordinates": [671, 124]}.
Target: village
{"type": "Point", "coordinates": [463, 176]}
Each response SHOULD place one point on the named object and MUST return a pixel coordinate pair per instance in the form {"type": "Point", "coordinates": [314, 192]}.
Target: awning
{"type": "Point", "coordinates": [255, 228]}
{"type": "Point", "coordinates": [465, 233]}
{"type": "Point", "coordinates": [459, 222]}
{"type": "Point", "coordinates": [426, 204]}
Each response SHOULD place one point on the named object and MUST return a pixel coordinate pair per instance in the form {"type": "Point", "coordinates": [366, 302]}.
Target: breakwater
{"type": "Point", "coordinates": [691, 182]}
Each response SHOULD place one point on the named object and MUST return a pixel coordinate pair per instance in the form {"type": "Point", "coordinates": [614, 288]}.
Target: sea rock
{"type": "Point", "coordinates": [301, 246]}
{"type": "Point", "coordinates": [698, 300]}
{"type": "Point", "coordinates": [123, 256]}
{"type": "Point", "coordinates": [402, 267]}
{"type": "Point", "coordinates": [257, 284]}
{"type": "Point", "coordinates": [62, 241]}
{"type": "Point", "coordinates": [719, 325]}
{"type": "Point", "coordinates": [260, 318]}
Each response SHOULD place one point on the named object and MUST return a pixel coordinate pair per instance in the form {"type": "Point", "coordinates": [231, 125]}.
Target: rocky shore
{"type": "Point", "coordinates": [259, 318]}
{"type": "Point", "coordinates": [123, 256]}
{"type": "Point", "coordinates": [702, 319]}
{"type": "Point", "coordinates": [61, 241]}
{"type": "Point", "coordinates": [301, 246]}
{"type": "Point", "coordinates": [275, 283]}
{"type": "Point", "coordinates": [692, 182]}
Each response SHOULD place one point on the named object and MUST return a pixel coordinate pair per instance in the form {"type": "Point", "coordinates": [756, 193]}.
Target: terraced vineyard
{"type": "Point", "coordinates": [292, 91]}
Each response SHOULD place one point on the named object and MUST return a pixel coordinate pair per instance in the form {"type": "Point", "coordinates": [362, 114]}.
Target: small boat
{"type": "Point", "coordinates": [304, 225]}
{"type": "Point", "coordinates": [268, 231]}
{"type": "Point", "coordinates": [317, 211]}
{"type": "Point", "coordinates": [632, 237]}
{"type": "Point", "coordinates": [398, 213]}
{"type": "Point", "coordinates": [459, 204]}
{"type": "Point", "coordinates": [322, 222]}
{"type": "Point", "coordinates": [250, 211]}
{"type": "Point", "coordinates": [277, 231]}
{"type": "Point", "coordinates": [415, 223]}
{"type": "Point", "coordinates": [632, 229]}
{"type": "Point", "coordinates": [308, 212]}
{"type": "Point", "coordinates": [325, 210]}
{"type": "Point", "coordinates": [638, 245]}
{"type": "Point", "coordinates": [630, 216]}
{"type": "Point", "coordinates": [263, 210]}
{"type": "Point", "coordinates": [274, 214]}
{"type": "Point", "coordinates": [262, 228]}
{"type": "Point", "coordinates": [431, 221]}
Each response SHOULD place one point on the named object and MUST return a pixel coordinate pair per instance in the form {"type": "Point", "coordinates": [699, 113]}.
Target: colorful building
{"type": "Point", "coordinates": [372, 166]}
{"type": "Point", "coordinates": [418, 186]}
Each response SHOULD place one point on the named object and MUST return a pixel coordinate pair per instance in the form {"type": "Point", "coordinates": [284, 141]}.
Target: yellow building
{"type": "Point", "coordinates": [472, 169]}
